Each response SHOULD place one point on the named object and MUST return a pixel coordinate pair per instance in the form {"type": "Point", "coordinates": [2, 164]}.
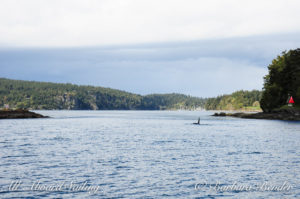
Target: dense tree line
{"type": "Point", "coordinates": [44, 95]}
{"type": "Point", "coordinates": [282, 81]}
{"type": "Point", "coordinates": [240, 100]}
{"type": "Point", "coordinates": [172, 101]}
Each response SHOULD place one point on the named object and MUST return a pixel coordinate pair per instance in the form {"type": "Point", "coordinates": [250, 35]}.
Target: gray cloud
{"type": "Point", "coordinates": [200, 68]}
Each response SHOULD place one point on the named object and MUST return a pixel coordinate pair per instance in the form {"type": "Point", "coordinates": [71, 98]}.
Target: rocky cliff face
{"type": "Point", "coordinates": [72, 102]}
{"type": "Point", "coordinates": [66, 101]}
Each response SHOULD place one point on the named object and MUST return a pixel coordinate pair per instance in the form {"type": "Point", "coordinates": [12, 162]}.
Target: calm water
{"type": "Point", "coordinates": [148, 154]}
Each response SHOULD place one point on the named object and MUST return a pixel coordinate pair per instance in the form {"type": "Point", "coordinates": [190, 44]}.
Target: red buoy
{"type": "Point", "coordinates": [291, 101]}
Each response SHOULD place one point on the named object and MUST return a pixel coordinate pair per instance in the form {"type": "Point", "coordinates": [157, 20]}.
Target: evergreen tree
{"type": "Point", "coordinates": [282, 81]}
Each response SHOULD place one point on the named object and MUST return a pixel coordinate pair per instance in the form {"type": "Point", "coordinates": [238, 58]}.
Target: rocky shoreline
{"type": "Point", "coordinates": [19, 114]}
{"type": "Point", "coordinates": [291, 115]}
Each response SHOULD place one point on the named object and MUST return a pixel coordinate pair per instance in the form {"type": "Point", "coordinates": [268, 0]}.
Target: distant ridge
{"type": "Point", "coordinates": [48, 96]}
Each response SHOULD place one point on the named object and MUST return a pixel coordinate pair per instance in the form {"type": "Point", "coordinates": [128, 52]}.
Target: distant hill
{"type": "Point", "coordinates": [240, 100]}
{"type": "Point", "coordinates": [45, 95]}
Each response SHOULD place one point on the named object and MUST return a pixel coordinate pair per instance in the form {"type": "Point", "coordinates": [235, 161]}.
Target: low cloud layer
{"type": "Point", "coordinates": [200, 68]}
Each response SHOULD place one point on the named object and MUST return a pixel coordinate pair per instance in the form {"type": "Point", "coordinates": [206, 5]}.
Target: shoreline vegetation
{"type": "Point", "coordinates": [237, 101]}
{"type": "Point", "coordinates": [19, 94]}
{"type": "Point", "coordinates": [31, 95]}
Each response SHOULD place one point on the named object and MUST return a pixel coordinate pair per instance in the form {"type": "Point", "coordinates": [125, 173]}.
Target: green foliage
{"type": "Point", "coordinates": [44, 95]}
{"type": "Point", "coordinates": [171, 101]}
{"type": "Point", "coordinates": [282, 81]}
{"type": "Point", "coordinates": [240, 100]}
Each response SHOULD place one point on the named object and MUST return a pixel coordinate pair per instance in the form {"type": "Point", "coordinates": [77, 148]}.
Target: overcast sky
{"type": "Point", "coordinates": [202, 48]}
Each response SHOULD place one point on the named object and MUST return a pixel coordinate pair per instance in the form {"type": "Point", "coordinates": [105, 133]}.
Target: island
{"type": "Point", "coordinates": [19, 114]}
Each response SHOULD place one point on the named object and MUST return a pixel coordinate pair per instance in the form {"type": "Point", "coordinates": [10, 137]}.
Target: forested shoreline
{"type": "Point", "coordinates": [19, 94]}
{"type": "Point", "coordinates": [239, 100]}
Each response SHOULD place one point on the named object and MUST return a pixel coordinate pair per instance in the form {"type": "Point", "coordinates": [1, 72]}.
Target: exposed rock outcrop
{"type": "Point", "coordinates": [285, 114]}
{"type": "Point", "coordinates": [19, 114]}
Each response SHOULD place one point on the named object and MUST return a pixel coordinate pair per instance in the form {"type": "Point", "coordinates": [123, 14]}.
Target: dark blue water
{"type": "Point", "coordinates": [148, 154]}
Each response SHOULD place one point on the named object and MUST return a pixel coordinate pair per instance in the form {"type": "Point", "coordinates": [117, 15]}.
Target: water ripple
{"type": "Point", "coordinates": [148, 154]}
